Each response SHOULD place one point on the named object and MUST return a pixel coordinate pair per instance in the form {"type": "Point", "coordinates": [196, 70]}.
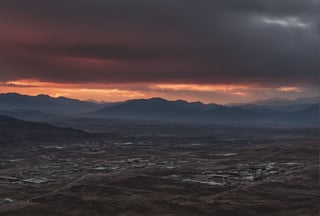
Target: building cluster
{"type": "Point", "coordinates": [244, 173]}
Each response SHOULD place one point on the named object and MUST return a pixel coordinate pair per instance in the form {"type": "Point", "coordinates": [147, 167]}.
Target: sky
{"type": "Point", "coordinates": [198, 50]}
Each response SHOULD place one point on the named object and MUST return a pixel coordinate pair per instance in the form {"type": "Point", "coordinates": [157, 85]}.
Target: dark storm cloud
{"type": "Point", "coordinates": [189, 41]}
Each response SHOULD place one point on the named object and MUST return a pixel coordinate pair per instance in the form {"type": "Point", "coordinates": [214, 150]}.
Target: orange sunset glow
{"type": "Point", "coordinates": [120, 92]}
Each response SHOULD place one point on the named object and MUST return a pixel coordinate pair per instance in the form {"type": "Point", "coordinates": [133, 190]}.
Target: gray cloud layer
{"type": "Point", "coordinates": [187, 41]}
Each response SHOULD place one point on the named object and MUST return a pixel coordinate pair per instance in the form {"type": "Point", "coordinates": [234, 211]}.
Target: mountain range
{"type": "Point", "coordinates": [44, 108]}
{"type": "Point", "coordinates": [160, 109]}
{"type": "Point", "coordinates": [47, 104]}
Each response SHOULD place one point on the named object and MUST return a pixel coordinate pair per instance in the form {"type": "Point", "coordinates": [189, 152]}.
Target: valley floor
{"type": "Point", "coordinates": [189, 172]}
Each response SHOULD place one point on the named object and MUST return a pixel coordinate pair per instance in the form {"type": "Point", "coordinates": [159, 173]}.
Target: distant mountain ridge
{"type": "Point", "coordinates": [156, 107]}
{"type": "Point", "coordinates": [161, 109]}
{"type": "Point", "coordinates": [282, 102]}
{"type": "Point", "coordinates": [43, 107]}
{"type": "Point", "coordinates": [45, 103]}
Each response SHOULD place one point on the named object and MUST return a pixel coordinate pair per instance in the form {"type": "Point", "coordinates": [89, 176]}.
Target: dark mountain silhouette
{"type": "Point", "coordinates": [156, 108]}
{"type": "Point", "coordinates": [46, 104]}
{"type": "Point", "coordinates": [160, 109]}
{"type": "Point", "coordinates": [282, 102]}
{"type": "Point", "coordinates": [17, 131]}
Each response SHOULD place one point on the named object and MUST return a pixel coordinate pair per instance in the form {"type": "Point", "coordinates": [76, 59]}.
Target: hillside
{"type": "Point", "coordinates": [17, 131]}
